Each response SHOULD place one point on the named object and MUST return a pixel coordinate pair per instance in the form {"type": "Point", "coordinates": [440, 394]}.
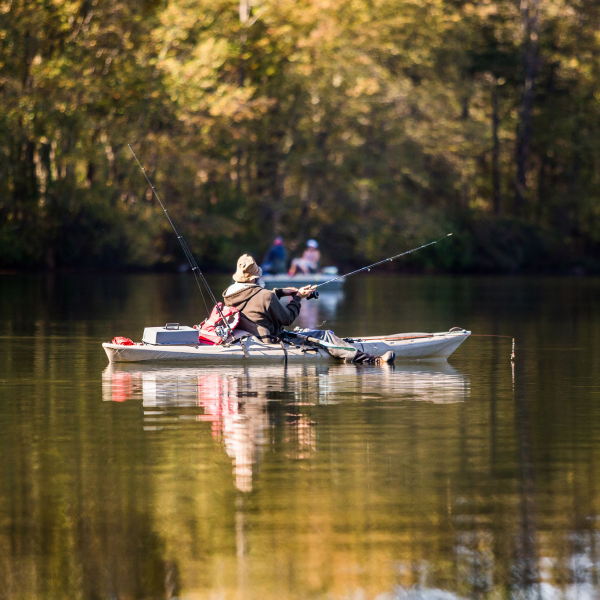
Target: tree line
{"type": "Point", "coordinates": [370, 125]}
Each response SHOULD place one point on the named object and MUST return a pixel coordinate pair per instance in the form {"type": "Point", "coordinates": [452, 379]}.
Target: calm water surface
{"type": "Point", "coordinates": [460, 479]}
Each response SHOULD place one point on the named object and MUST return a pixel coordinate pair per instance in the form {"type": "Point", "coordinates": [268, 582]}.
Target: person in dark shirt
{"type": "Point", "coordinates": [275, 260]}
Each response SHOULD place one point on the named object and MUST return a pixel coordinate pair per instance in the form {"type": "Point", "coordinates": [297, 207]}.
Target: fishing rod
{"type": "Point", "coordinates": [198, 275]}
{"type": "Point", "coordinates": [369, 267]}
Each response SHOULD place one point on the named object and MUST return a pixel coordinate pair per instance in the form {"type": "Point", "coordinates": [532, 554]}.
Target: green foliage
{"type": "Point", "coordinates": [368, 125]}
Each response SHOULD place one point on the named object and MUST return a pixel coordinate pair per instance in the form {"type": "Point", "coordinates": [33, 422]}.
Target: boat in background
{"type": "Point", "coordinates": [301, 279]}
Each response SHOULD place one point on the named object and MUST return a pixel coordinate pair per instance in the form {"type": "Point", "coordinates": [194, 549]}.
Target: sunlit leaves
{"type": "Point", "coordinates": [340, 119]}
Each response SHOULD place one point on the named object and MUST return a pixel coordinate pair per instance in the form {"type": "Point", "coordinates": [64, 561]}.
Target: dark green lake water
{"type": "Point", "coordinates": [462, 479]}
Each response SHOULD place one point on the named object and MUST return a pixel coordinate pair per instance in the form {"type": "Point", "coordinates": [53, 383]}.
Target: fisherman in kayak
{"type": "Point", "coordinates": [264, 316]}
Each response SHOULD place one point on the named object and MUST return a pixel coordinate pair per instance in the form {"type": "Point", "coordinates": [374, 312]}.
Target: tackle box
{"type": "Point", "coordinates": [172, 334]}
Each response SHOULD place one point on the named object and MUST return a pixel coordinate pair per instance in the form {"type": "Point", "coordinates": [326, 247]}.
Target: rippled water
{"type": "Point", "coordinates": [469, 478]}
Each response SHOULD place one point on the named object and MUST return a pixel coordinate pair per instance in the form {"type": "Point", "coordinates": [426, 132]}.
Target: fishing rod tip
{"type": "Point", "coordinates": [449, 235]}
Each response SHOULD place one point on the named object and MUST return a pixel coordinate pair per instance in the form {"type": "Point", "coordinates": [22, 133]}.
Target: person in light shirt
{"type": "Point", "coordinates": [309, 262]}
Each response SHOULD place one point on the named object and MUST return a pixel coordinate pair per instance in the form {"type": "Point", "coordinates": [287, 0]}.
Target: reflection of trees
{"type": "Point", "coordinates": [526, 571]}
{"type": "Point", "coordinates": [412, 479]}
{"type": "Point", "coordinates": [76, 515]}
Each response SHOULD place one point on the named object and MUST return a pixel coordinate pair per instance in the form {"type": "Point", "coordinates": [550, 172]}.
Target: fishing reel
{"type": "Point", "coordinates": [312, 295]}
{"type": "Point", "coordinates": [222, 332]}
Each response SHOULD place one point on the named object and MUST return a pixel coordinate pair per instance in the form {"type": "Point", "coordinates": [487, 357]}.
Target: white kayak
{"type": "Point", "coordinates": [407, 346]}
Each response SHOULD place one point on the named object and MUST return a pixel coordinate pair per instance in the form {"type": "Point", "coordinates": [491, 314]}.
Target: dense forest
{"type": "Point", "coordinates": [370, 125]}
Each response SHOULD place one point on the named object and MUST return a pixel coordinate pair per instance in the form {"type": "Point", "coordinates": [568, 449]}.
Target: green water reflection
{"type": "Point", "coordinates": [460, 479]}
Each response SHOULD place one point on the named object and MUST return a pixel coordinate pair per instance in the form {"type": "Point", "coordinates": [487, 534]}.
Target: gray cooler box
{"type": "Point", "coordinates": [171, 334]}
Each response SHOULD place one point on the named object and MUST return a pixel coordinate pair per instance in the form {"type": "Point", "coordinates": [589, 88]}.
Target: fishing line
{"type": "Point", "coordinates": [512, 354]}
{"type": "Point", "coordinates": [490, 335]}
{"type": "Point", "coordinates": [198, 275]}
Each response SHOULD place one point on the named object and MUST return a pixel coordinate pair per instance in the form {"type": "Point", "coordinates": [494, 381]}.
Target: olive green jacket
{"type": "Point", "coordinates": [262, 314]}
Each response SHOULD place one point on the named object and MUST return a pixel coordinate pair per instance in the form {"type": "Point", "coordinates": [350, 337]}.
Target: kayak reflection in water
{"type": "Point", "coordinates": [264, 316]}
{"type": "Point", "coordinates": [246, 405]}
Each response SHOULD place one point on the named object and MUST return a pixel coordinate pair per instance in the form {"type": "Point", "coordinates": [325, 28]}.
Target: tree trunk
{"type": "Point", "coordinates": [548, 163]}
{"type": "Point", "coordinates": [530, 29]}
{"type": "Point", "coordinates": [239, 150]}
{"type": "Point", "coordinates": [91, 173]}
{"type": "Point", "coordinates": [495, 149]}
{"type": "Point", "coordinates": [244, 10]}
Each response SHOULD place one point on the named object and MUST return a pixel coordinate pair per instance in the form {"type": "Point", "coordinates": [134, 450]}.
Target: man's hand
{"type": "Point", "coordinates": [289, 291]}
{"type": "Point", "coordinates": [305, 291]}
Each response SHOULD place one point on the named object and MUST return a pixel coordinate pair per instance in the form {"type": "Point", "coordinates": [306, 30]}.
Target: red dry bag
{"type": "Point", "coordinates": [123, 341]}
{"type": "Point", "coordinates": [207, 330]}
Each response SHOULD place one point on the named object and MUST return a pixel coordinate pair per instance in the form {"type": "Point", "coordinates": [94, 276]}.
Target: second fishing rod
{"type": "Point", "coordinates": [315, 294]}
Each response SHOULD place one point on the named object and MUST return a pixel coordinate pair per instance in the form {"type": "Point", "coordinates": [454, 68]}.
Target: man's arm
{"type": "Point", "coordinates": [285, 315]}
{"type": "Point", "coordinates": [281, 292]}
{"type": "Point", "coordinates": [282, 315]}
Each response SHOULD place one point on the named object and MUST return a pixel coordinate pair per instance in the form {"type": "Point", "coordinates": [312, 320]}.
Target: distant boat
{"type": "Point", "coordinates": [300, 279]}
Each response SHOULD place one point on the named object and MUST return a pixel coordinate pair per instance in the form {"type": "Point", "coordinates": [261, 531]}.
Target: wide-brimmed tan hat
{"type": "Point", "coordinates": [247, 270]}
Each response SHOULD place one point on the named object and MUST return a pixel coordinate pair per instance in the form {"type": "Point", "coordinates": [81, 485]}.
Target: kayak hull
{"type": "Point", "coordinates": [415, 346]}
